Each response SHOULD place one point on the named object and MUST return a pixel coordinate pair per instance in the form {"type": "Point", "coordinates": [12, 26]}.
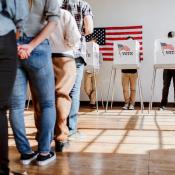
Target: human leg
{"type": "Point", "coordinates": [133, 83]}
{"type": "Point", "coordinates": [166, 84]}
{"type": "Point", "coordinates": [36, 109]}
{"type": "Point", "coordinates": [17, 105]}
{"type": "Point", "coordinates": [65, 74]}
{"type": "Point", "coordinates": [75, 96]}
{"type": "Point", "coordinates": [125, 86]}
{"type": "Point", "coordinates": [88, 84]}
{"type": "Point", "coordinates": [40, 71]}
{"type": "Point", "coordinates": [8, 63]}
{"type": "Point", "coordinates": [173, 74]}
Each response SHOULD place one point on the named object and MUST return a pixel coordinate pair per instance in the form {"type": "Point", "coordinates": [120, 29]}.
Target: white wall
{"type": "Point", "coordinates": [157, 18]}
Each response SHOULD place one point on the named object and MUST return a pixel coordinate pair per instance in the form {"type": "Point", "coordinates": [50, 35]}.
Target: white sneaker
{"type": "Point", "coordinates": [125, 107]}
{"type": "Point", "coordinates": [162, 108]}
{"type": "Point", "coordinates": [77, 136]}
{"type": "Point", "coordinates": [131, 107]}
{"type": "Point", "coordinates": [26, 159]}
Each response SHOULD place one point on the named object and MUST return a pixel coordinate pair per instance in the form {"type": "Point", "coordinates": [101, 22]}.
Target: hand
{"type": "Point", "coordinates": [24, 51]}
{"type": "Point", "coordinates": [22, 54]}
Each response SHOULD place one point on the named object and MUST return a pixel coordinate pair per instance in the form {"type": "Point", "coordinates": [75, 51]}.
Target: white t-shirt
{"type": "Point", "coordinates": [66, 37]}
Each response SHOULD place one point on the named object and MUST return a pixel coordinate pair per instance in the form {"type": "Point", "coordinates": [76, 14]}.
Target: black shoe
{"type": "Point", "coordinates": [4, 169]}
{"type": "Point", "coordinates": [59, 146]}
{"type": "Point", "coordinates": [93, 106]}
{"type": "Point", "coordinates": [26, 159]}
{"type": "Point", "coordinates": [15, 173]}
{"type": "Point", "coordinates": [43, 160]}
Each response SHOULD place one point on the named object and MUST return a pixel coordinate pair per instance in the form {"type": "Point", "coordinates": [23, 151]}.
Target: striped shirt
{"type": "Point", "coordinates": [79, 9]}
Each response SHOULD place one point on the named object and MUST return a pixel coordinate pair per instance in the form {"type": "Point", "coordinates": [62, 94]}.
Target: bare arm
{"type": "Point", "coordinates": [48, 29]}
{"type": "Point", "coordinates": [26, 49]}
{"type": "Point", "coordinates": [88, 24]}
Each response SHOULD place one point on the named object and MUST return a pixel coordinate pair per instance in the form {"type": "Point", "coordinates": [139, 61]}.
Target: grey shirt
{"type": "Point", "coordinates": [37, 19]}
{"type": "Point", "coordinates": [18, 12]}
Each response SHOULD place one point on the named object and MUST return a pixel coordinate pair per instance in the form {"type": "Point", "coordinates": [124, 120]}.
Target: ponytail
{"type": "Point", "coordinates": [30, 3]}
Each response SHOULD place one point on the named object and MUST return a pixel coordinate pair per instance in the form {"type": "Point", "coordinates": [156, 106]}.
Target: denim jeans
{"type": "Point", "coordinates": [38, 70]}
{"type": "Point", "coordinates": [75, 96]}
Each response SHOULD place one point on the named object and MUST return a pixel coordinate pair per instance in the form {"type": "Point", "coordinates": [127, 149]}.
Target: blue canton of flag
{"type": "Point", "coordinates": [98, 34]}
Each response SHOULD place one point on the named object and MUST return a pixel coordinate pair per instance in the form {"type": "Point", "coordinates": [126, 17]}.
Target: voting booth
{"type": "Point", "coordinates": [126, 56]}
{"type": "Point", "coordinates": [92, 55]}
{"type": "Point", "coordinates": [164, 53]}
{"type": "Point", "coordinates": [93, 64]}
{"type": "Point", "coordinates": [164, 58]}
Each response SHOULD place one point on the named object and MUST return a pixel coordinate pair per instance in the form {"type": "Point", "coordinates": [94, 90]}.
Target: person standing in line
{"type": "Point", "coordinates": [82, 13]}
{"type": "Point", "coordinates": [64, 41]}
{"type": "Point", "coordinates": [168, 74]}
{"type": "Point", "coordinates": [35, 66]}
{"type": "Point", "coordinates": [12, 16]}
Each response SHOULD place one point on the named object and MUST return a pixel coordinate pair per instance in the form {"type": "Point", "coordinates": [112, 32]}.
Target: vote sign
{"type": "Point", "coordinates": [164, 52]}
{"type": "Point", "coordinates": [126, 53]}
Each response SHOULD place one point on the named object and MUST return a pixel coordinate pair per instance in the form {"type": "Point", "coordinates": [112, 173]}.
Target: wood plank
{"type": "Point", "coordinates": [115, 142]}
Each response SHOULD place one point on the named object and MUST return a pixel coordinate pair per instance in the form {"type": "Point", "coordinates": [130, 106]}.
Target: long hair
{"type": "Point", "coordinates": [30, 3]}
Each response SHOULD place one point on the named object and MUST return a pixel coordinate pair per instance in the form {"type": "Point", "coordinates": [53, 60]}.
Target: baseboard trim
{"type": "Point", "coordinates": [120, 103]}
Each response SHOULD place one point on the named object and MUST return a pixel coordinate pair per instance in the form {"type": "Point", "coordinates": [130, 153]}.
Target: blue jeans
{"type": "Point", "coordinates": [75, 96]}
{"type": "Point", "coordinates": [38, 70]}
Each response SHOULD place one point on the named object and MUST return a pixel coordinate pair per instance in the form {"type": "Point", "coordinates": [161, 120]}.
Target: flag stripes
{"type": "Point", "coordinates": [106, 36]}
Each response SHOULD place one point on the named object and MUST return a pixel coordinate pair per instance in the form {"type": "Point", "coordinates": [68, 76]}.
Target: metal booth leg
{"type": "Point", "coordinates": [102, 100]}
{"type": "Point", "coordinates": [152, 89]}
{"type": "Point", "coordinates": [113, 88]}
{"type": "Point", "coordinates": [96, 93]}
{"type": "Point", "coordinates": [107, 101]}
{"type": "Point", "coordinates": [141, 89]}
{"type": "Point", "coordinates": [140, 92]}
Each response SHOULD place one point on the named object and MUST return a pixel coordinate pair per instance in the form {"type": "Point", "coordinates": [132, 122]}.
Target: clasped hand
{"type": "Point", "coordinates": [24, 51]}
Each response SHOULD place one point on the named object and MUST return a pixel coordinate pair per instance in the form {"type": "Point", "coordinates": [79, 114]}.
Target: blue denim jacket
{"type": "Point", "coordinates": [18, 11]}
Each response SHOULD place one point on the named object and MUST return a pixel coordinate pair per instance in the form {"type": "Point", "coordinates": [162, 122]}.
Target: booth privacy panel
{"type": "Point", "coordinates": [126, 53]}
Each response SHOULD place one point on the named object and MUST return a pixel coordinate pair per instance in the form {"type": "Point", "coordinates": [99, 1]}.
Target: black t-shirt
{"type": "Point", "coordinates": [129, 71]}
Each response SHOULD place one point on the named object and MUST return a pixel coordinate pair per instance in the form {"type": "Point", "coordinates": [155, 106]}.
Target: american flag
{"type": "Point", "coordinates": [107, 35]}
{"type": "Point", "coordinates": [165, 46]}
{"type": "Point", "coordinates": [123, 47]}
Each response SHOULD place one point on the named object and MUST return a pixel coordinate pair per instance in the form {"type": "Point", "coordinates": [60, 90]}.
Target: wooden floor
{"type": "Point", "coordinates": [115, 142]}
